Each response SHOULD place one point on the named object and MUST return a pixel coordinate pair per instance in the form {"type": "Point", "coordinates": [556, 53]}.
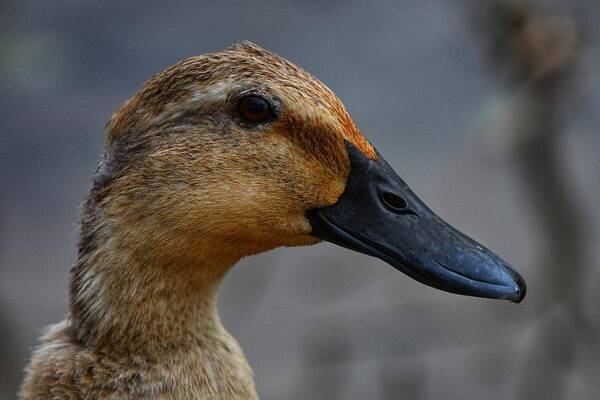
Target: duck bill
{"type": "Point", "coordinates": [378, 214]}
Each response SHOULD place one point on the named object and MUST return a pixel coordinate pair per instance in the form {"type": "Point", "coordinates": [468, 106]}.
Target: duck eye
{"type": "Point", "coordinates": [255, 109]}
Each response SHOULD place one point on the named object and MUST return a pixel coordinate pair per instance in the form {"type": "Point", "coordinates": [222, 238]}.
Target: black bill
{"type": "Point", "coordinates": [379, 215]}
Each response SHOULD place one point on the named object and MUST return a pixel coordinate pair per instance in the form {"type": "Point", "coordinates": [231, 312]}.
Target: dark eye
{"type": "Point", "coordinates": [255, 109]}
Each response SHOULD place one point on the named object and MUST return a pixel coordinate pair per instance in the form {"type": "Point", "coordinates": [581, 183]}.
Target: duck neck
{"type": "Point", "coordinates": [146, 298]}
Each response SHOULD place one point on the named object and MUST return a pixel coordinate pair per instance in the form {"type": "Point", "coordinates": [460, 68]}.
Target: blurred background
{"type": "Point", "coordinates": [489, 110]}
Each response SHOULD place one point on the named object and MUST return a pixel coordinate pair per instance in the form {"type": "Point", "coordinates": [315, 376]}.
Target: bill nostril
{"type": "Point", "coordinates": [394, 202]}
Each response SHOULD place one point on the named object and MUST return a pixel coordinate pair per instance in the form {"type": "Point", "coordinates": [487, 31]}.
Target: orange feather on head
{"type": "Point", "coordinates": [242, 64]}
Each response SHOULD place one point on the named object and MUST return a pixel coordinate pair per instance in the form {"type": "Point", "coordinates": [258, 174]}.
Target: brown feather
{"type": "Point", "coordinates": [185, 189]}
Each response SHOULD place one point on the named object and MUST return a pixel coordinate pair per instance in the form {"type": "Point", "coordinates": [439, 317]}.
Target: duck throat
{"type": "Point", "coordinates": [133, 295]}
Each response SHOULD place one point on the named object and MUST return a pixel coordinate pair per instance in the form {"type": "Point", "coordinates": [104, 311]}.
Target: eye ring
{"type": "Point", "coordinates": [255, 109]}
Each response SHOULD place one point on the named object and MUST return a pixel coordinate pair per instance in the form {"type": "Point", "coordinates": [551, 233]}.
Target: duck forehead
{"type": "Point", "coordinates": [213, 77]}
{"type": "Point", "coordinates": [307, 97]}
{"type": "Point", "coordinates": [308, 100]}
{"type": "Point", "coordinates": [326, 115]}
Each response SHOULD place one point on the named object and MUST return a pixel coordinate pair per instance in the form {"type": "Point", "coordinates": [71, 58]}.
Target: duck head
{"type": "Point", "coordinates": [243, 151]}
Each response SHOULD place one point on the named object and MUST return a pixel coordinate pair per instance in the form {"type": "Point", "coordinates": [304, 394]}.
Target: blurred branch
{"type": "Point", "coordinates": [538, 49]}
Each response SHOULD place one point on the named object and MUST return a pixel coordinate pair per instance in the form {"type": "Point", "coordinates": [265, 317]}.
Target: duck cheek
{"type": "Point", "coordinates": [284, 226]}
{"type": "Point", "coordinates": [332, 191]}
{"type": "Point", "coordinates": [301, 229]}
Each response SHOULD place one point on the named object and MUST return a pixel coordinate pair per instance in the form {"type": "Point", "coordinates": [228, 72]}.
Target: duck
{"type": "Point", "coordinates": [220, 157]}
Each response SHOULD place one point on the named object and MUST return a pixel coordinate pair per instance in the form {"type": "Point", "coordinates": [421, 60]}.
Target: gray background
{"type": "Point", "coordinates": [319, 322]}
